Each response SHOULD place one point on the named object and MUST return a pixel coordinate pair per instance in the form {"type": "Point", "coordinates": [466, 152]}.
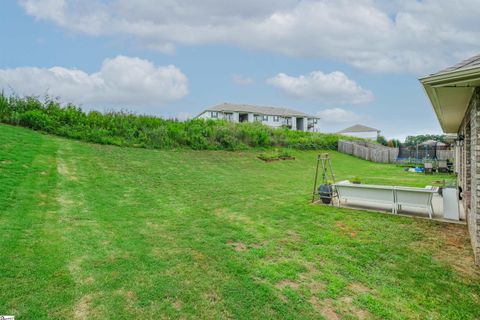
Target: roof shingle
{"type": "Point", "coordinates": [472, 62]}
{"type": "Point", "coordinates": [274, 111]}
{"type": "Point", "coordinates": [358, 128]}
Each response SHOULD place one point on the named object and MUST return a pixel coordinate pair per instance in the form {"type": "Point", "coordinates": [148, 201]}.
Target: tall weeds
{"type": "Point", "coordinates": [127, 129]}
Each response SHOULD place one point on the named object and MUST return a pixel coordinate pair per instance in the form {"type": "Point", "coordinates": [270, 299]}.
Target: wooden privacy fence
{"type": "Point", "coordinates": [421, 152]}
{"type": "Point", "coordinates": [368, 151]}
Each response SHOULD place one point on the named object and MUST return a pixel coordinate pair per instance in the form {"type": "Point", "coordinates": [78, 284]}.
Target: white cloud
{"type": "Point", "coordinates": [242, 80]}
{"type": "Point", "coordinates": [338, 116]}
{"type": "Point", "coordinates": [335, 87]}
{"type": "Point", "coordinates": [380, 36]}
{"type": "Point", "coordinates": [53, 10]}
{"type": "Point", "coordinates": [121, 82]}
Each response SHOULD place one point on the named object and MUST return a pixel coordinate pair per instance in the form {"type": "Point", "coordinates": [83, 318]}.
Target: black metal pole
{"type": "Point", "coordinates": [315, 182]}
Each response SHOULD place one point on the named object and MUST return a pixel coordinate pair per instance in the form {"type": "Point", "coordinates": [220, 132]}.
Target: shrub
{"type": "Point", "coordinates": [127, 129]}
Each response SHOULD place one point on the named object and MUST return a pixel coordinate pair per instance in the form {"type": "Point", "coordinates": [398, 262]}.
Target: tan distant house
{"type": "Point", "coordinates": [360, 131]}
{"type": "Point", "coordinates": [455, 96]}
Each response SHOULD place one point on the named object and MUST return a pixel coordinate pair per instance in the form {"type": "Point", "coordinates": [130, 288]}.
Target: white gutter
{"type": "Point", "coordinates": [440, 85]}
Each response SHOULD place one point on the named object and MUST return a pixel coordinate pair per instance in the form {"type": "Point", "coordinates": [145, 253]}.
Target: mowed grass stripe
{"type": "Point", "coordinates": [35, 282]}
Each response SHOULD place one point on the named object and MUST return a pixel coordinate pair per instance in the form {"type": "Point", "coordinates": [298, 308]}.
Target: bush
{"type": "Point", "coordinates": [126, 129]}
{"type": "Point", "coordinates": [37, 120]}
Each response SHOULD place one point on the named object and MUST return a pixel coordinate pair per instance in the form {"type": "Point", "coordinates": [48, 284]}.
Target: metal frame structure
{"type": "Point", "coordinates": [327, 174]}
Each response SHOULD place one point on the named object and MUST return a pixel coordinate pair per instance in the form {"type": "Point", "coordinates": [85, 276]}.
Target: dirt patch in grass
{"type": "Point", "coordinates": [291, 236]}
{"type": "Point", "coordinates": [308, 278]}
{"type": "Point", "coordinates": [449, 243]}
{"type": "Point", "coordinates": [346, 229]}
{"type": "Point", "coordinates": [177, 305]}
{"type": "Point", "coordinates": [82, 310]}
{"type": "Point", "coordinates": [89, 280]}
{"type": "Point", "coordinates": [128, 295]}
{"type": "Point", "coordinates": [347, 307]}
{"type": "Point", "coordinates": [336, 309]}
{"type": "Point", "coordinates": [329, 313]}
{"type": "Point", "coordinates": [286, 283]}
{"type": "Point", "coordinates": [233, 216]}
{"type": "Point", "coordinates": [358, 287]}
{"type": "Point", "coordinates": [240, 246]}
{"type": "Point", "coordinates": [324, 307]}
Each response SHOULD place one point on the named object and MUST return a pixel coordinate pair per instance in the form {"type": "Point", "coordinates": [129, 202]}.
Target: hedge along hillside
{"type": "Point", "coordinates": [127, 129]}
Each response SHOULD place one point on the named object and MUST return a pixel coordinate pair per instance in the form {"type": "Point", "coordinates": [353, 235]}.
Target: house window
{"type": "Point", "coordinates": [315, 121]}
{"type": "Point", "coordinates": [229, 116]}
{"type": "Point", "coordinates": [214, 114]}
{"type": "Point", "coordinates": [276, 118]}
{"type": "Point", "coordinates": [265, 118]}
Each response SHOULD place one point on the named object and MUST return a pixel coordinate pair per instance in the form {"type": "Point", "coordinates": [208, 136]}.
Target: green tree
{"type": "Point", "coordinates": [382, 140]}
{"type": "Point", "coordinates": [414, 140]}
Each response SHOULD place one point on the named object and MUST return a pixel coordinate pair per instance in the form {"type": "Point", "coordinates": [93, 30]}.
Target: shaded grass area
{"type": "Point", "coordinates": [91, 231]}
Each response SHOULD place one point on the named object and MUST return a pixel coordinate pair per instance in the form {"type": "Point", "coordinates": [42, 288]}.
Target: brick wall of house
{"type": "Point", "coordinates": [469, 174]}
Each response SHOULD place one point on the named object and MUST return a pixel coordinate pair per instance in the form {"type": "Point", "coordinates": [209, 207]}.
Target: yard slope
{"type": "Point", "coordinates": [102, 232]}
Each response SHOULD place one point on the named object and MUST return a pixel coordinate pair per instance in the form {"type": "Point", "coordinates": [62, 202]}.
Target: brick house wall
{"type": "Point", "coordinates": [469, 173]}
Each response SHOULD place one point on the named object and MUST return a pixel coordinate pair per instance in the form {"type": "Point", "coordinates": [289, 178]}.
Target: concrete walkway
{"type": "Point", "coordinates": [437, 202]}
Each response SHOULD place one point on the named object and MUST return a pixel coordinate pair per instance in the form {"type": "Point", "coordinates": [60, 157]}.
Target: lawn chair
{"type": "Point", "coordinates": [442, 166]}
{"type": "Point", "coordinates": [428, 166]}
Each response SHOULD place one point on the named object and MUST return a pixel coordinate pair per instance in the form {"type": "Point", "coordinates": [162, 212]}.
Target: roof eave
{"type": "Point", "coordinates": [461, 79]}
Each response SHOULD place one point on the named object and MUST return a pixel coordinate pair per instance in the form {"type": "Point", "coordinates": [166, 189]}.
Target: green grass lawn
{"type": "Point", "coordinates": [102, 232]}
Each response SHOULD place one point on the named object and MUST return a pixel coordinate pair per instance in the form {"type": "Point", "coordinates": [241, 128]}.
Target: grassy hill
{"type": "Point", "coordinates": [103, 232]}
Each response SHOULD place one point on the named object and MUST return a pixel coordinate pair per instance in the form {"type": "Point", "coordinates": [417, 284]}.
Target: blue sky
{"type": "Point", "coordinates": [355, 66]}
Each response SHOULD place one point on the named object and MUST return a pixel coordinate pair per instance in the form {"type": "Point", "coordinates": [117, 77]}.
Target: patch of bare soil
{"type": "Point", "coordinates": [177, 305]}
{"type": "Point", "coordinates": [286, 283]}
{"type": "Point", "coordinates": [324, 307]}
{"type": "Point", "coordinates": [346, 305]}
{"type": "Point", "coordinates": [238, 246]}
{"type": "Point", "coordinates": [450, 243]}
{"type": "Point", "coordinates": [308, 278]}
{"type": "Point", "coordinates": [358, 287]}
{"type": "Point", "coordinates": [330, 309]}
{"type": "Point", "coordinates": [82, 309]}
{"type": "Point", "coordinates": [291, 236]}
{"type": "Point", "coordinates": [346, 229]}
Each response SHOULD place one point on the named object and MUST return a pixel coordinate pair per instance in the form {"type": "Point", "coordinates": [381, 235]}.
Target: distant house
{"type": "Point", "coordinates": [360, 131]}
{"type": "Point", "coordinates": [455, 96]}
{"type": "Point", "coordinates": [271, 116]}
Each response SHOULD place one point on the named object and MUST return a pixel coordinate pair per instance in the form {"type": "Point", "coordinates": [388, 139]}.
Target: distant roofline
{"type": "Point", "coordinates": [363, 127]}
{"type": "Point", "coordinates": [216, 108]}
